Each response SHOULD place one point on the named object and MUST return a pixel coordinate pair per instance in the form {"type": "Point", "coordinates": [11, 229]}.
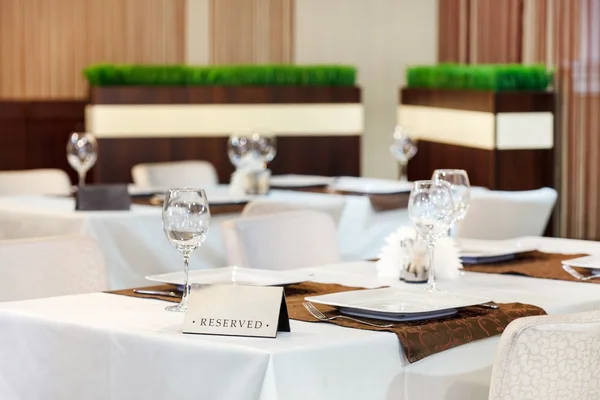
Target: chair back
{"type": "Point", "coordinates": [549, 357]}
{"type": "Point", "coordinates": [47, 267]}
{"type": "Point", "coordinates": [284, 240]}
{"type": "Point", "coordinates": [505, 215]}
{"type": "Point", "coordinates": [35, 182]}
{"type": "Point", "coordinates": [172, 174]}
{"type": "Point", "coordinates": [330, 204]}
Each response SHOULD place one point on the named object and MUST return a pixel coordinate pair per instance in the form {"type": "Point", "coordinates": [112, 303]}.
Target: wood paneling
{"type": "Point", "coordinates": [251, 31]}
{"type": "Point", "coordinates": [321, 155]}
{"type": "Point", "coordinates": [225, 95]}
{"type": "Point", "coordinates": [479, 100]}
{"type": "Point", "coordinates": [34, 134]}
{"type": "Point", "coordinates": [45, 44]}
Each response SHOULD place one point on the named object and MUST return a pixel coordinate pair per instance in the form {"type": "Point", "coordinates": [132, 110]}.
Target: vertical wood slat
{"type": "Point", "coordinates": [251, 31]}
{"type": "Point", "coordinates": [44, 44]}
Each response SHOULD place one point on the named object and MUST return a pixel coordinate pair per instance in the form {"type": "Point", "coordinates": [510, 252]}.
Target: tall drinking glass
{"type": "Point", "coordinates": [403, 149]}
{"type": "Point", "coordinates": [82, 152]}
{"type": "Point", "coordinates": [186, 218]}
{"type": "Point", "coordinates": [430, 208]}
{"type": "Point", "coordinates": [461, 190]}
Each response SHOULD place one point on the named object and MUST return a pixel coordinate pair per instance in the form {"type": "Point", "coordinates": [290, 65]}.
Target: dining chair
{"type": "Point", "coordinates": [330, 204]}
{"type": "Point", "coordinates": [48, 267]}
{"type": "Point", "coordinates": [504, 215]}
{"type": "Point", "coordinates": [279, 241]}
{"type": "Point", "coordinates": [163, 175]}
{"type": "Point", "coordinates": [35, 182]}
{"type": "Point", "coordinates": [549, 357]}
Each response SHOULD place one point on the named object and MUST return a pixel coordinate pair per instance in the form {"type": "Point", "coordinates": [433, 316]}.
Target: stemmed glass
{"type": "Point", "coordinates": [239, 146]}
{"type": "Point", "coordinates": [186, 218]}
{"type": "Point", "coordinates": [82, 152]}
{"type": "Point", "coordinates": [264, 146]}
{"type": "Point", "coordinates": [403, 149]}
{"type": "Point", "coordinates": [260, 146]}
{"type": "Point", "coordinates": [461, 191]}
{"type": "Point", "coordinates": [430, 207]}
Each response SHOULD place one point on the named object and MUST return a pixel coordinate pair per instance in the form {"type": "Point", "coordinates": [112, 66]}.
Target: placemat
{"type": "Point", "coordinates": [535, 264]}
{"type": "Point", "coordinates": [418, 339]}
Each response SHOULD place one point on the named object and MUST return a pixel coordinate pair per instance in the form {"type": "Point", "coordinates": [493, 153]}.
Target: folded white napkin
{"type": "Point", "coordinates": [248, 164]}
{"type": "Point", "coordinates": [393, 256]}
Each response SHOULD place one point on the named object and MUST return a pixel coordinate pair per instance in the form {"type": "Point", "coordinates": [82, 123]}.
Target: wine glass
{"type": "Point", "coordinates": [403, 149]}
{"type": "Point", "coordinates": [239, 148]}
{"type": "Point", "coordinates": [430, 208]}
{"type": "Point", "coordinates": [82, 152]}
{"type": "Point", "coordinates": [461, 190]}
{"type": "Point", "coordinates": [186, 218]}
{"type": "Point", "coordinates": [264, 145]}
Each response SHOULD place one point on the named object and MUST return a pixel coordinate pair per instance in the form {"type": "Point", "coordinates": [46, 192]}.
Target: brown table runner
{"type": "Point", "coordinates": [215, 209]}
{"type": "Point", "coordinates": [418, 339]}
{"type": "Point", "coordinates": [534, 264]}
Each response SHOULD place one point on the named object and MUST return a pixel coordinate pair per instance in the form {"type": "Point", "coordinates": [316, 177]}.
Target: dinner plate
{"type": "Point", "coordinates": [473, 251]}
{"type": "Point", "coordinates": [589, 262]}
{"type": "Point", "coordinates": [370, 185]}
{"type": "Point", "coordinates": [396, 302]}
{"type": "Point", "coordinates": [299, 181]}
{"type": "Point", "coordinates": [234, 276]}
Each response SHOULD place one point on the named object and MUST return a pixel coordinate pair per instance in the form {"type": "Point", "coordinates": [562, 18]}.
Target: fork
{"type": "Point", "coordinates": [322, 317]}
{"type": "Point", "coordinates": [577, 275]}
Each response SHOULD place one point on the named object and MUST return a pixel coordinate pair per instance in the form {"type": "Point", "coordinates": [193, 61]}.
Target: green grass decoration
{"type": "Point", "coordinates": [251, 75]}
{"type": "Point", "coordinates": [495, 77]}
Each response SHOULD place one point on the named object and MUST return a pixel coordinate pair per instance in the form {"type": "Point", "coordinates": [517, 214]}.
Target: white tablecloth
{"type": "Point", "coordinates": [103, 346]}
{"type": "Point", "coordinates": [135, 246]}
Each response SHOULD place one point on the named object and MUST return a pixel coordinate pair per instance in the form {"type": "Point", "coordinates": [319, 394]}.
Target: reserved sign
{"type": "Point", "coordinates": [258, 311]}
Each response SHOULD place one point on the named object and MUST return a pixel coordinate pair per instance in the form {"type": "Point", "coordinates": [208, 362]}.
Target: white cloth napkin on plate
{"type": "Point", "coordinates": [393, 256]}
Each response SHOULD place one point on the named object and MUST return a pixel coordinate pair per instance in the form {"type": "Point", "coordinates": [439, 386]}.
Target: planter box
{"type": "Point", "coordinates": [318, 128]}
{"type": "Point", "coordinates": [504, 140]}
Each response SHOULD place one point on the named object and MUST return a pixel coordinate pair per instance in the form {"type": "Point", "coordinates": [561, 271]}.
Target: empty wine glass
{"type": "Point", "coordinates": [239, 148]}
{"type": "Point", "coordinates": [264, 145]}
{"type": "Point", "coordinates": [186, 218]}
{"type": "Point", "coordinates": [82, 152]}
{"type": "Point", "coordinates": [461, 190]}
{"type": "Point", "coordinates": [430, 208]}
{"type": "Point", "coordinates": [403, 149]}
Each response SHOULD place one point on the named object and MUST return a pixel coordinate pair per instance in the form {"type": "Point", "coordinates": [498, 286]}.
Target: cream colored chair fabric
{"type": "Point", "coordinates": [34, 182]}
{"type": "Point", "coordinates": [330, 204]}
{"type": "Point", "coordinates": [505, 215]}
{"type": "Point", "coordinates": [174, 174]}
{"type": "Point", "coordinates": [549, 358]}
{"type": "Point", "coordinates": [47, 267]}
{"type": "Point", "coordinates": [283, 240]}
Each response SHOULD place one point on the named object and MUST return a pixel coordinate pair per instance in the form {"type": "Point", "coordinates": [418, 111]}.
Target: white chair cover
{"type": "Point", "coordinates": [164, 175]}
{"type": "Point", "coordinates": [332, 205]}
{"type": "Point", "coordinates": [549, 358]}
{"type": "Point", "coordinates": [505, 215]}
{"type": "Point", "coordinates": [284, 240]}
{"type": "Point", "coordinates": [34, 182]}
{"type": "Point", "coordinates": [47, 267]}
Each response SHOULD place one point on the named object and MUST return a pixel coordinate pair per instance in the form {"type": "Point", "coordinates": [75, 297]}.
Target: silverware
{"type": "Point", "coordinates": [577, 275]}
{"type": "Point", "coordinates": [164, 293]}
{"type": "Point", "coordinates": [322, 317]}
{"type": "Point", "coordinates": [491, 305]}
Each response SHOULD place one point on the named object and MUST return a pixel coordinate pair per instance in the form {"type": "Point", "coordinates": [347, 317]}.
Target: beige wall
{"type": "Point", "coordinates": [380, 37]}
{"type": "Point", "coordinates": [197, 49]}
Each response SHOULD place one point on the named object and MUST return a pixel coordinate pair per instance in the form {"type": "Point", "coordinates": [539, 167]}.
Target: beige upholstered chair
{"type": "Point", "coordinates": [506, 215]}
{"type": "Point", "coordinates": [332, 205]}
{"type": "Point", "coordinates": [53, 266]}
{"type": "Point", "coordinates": [174, 174]}
{"type": "Point", "coordinates": [549, 358]}
{"type": "Point", "coordinates": [284, 240]}
{"type": "Point", "coordinates": [34, 182]}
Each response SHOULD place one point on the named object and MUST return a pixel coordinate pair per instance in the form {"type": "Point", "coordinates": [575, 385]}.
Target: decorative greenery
{"type": "Point", "coordinates": [250, 75]}
{"type": "Point", "coordinates": [496, 77]}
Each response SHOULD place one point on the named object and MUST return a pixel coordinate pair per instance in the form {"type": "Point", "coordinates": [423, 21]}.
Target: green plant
{"type": "Point", "coordinates": [496, 77]}
{"type": "Point", "coordinates": [243, 75]}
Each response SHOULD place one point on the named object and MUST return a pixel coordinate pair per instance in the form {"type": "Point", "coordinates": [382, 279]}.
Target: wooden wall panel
{"type": "Point", "coordinates": [44, 44]}
{"type": "Point", "coordinates": [251, 31]}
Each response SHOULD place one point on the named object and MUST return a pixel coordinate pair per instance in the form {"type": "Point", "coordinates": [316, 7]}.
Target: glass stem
{"type": "Point", "coordinates": [81, 178]}
{"type": "Point", "coordinates": [186, 275]}
{"type": "Point", "coordinates": [431, 280]}
{"type": "Point", "coordinates": [403, 172]}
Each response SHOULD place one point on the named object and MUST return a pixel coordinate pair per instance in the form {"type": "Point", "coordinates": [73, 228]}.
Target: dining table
{"type": "Point", "coordinates": [111, 346]}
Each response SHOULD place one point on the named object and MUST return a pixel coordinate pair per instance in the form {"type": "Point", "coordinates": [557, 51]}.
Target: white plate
{"type": "Point", "coordinates": [299, 181]}
{"type": "Point", "coordinates": [234, 276]}
{"type": "Point", "coordinates": [394, 301]}
{"type": "Point", "coordinates": [589, 262]}
{"type": "Point", "coordinates": [220, 195]}
{"type": "Point", "coordinates": [370, 185]}
{"type": "Point", "coordinates": [490, 248]}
